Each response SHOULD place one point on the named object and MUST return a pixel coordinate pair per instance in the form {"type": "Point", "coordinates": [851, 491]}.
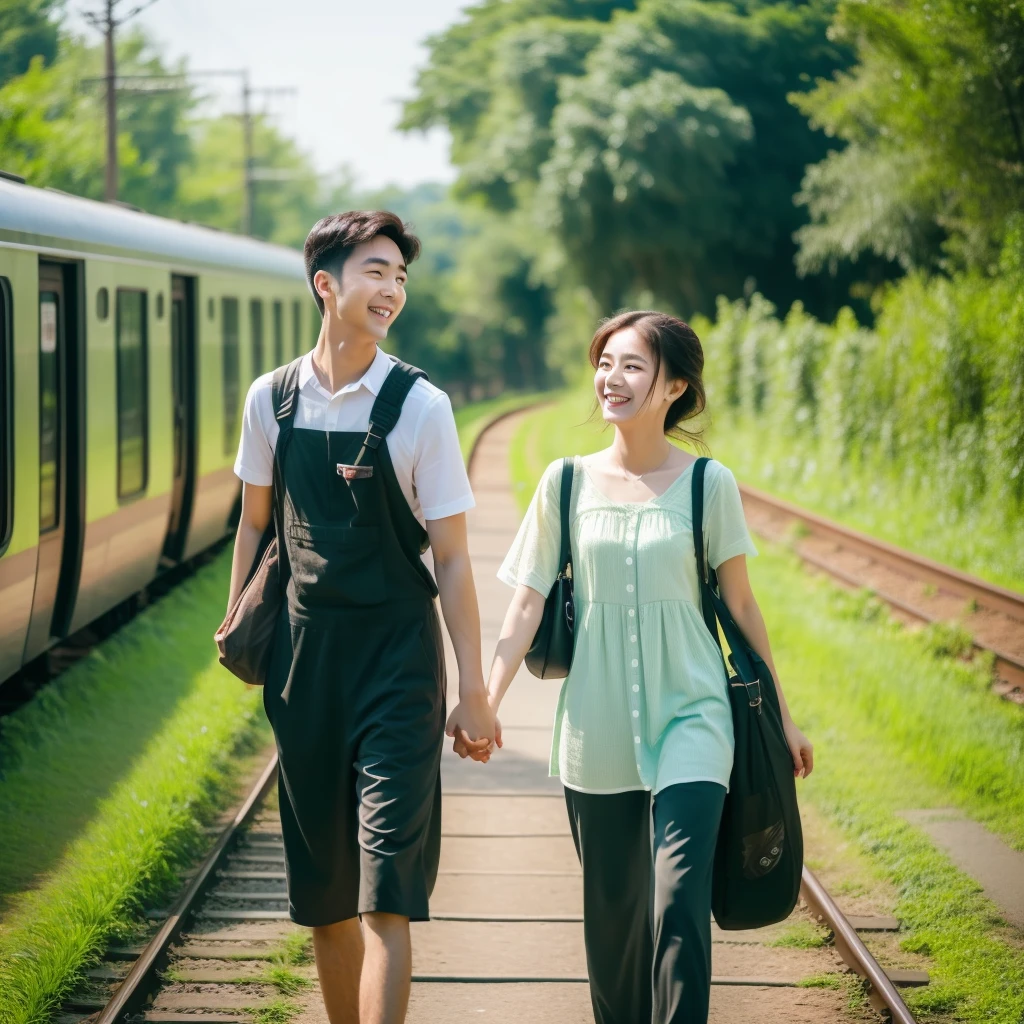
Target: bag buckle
{"type": "Point", "coordinates": [756, 701]}
{"type": "Point", "coordinates": [354, 472]}
{"type": "Point", "coordinates": [753, 700]}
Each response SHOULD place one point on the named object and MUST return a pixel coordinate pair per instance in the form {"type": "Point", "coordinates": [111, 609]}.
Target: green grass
{"type": "Point", "coordinates": [472, 419]}
{"type": "Point", "coordinates": [107, 777]}
{"type": "Point", "coordinates": [294, 950]}
{"type": "Point", "coordinates": [912, 516]}
{"type": "Point", "coordinates": [897, 724]}
{"type": "Point", "coordinates": [109, 774]}
{"type": "Point", "coordinates": [834, 981]}
{"type": "Point", "coordinates": [873, 504]}
{"type": "Point", "coordinates": [800, 935]}
{"type": "Point", "coordinates": [285, 980]}
{"type": "Point", "coordinates": [280, 1011]}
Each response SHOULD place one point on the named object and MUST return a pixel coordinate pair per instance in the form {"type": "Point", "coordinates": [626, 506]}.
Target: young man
{"type": "Point", "coordinates": [369, 472]}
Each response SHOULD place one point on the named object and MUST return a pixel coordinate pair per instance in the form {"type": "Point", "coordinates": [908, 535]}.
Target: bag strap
{"type": "Point", "coordinates": [565, 498]}
{"type": "Point", "coordinates": [285, 397]}
{"type": "Point", "coordinates": [705, 574]}
{"type": "Point", "coordinates": [387, 408]}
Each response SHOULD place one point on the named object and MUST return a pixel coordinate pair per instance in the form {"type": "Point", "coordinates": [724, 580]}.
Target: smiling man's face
{"type": "Point", "coordinates": [371, 292]}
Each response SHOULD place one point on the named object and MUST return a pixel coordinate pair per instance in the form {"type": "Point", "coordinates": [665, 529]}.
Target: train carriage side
{"type": "Point", "coordinates": [127, 343]}
{"type": "Point", "coordinates": [248, 326]}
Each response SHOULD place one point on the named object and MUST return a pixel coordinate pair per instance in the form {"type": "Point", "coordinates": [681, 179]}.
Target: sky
{"type": "Point", "coordinates": [350, 62]}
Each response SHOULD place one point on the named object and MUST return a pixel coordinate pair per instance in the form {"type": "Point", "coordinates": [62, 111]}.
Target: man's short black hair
{"type": "Point", "coordinates": [333, 238]}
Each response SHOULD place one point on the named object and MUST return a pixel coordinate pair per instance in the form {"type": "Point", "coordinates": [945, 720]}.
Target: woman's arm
{"type": "Point", "coordinates": [734, 584]}
{"type": "Point", "coordinates": [517, 632]}
{"type": "Point", "coordinates": [471, 722]}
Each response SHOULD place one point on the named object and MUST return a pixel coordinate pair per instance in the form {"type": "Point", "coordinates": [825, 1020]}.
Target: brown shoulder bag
{"type": "Point", "coordinates": [245, 638]}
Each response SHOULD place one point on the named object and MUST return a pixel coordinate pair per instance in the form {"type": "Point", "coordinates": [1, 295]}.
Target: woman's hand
{"type": "Point", "coordinates": [800, 749]}
{"type": "Point", "coordinates": [472, 725]}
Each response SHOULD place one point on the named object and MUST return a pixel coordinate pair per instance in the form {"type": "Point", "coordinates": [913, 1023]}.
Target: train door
{"type": "Point", "coordinates": [183, 348]}
{"type": "Point", "coordinates": [61, 456]}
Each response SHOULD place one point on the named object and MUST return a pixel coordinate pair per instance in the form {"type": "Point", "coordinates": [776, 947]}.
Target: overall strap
{"type": "Point", "coordinates": [388, 405]}
{"type": "Point", "coordinates": [705, 574]}
{"type": "Point", "coordinates": [565, 554]}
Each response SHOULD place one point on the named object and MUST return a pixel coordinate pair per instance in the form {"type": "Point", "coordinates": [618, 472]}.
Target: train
{"type": "Point", "coordinates": [127, 344]}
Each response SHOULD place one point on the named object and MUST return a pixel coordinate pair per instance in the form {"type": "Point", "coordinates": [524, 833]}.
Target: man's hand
{"type": "Point", "coordinates": [472, 726]}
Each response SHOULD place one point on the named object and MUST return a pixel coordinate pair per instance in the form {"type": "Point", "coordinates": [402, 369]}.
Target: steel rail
{"type": "Point", "coordinates": [130, 996]}
{"type": "Point", "coordinates": [881, 992]}
{"type": "Point", "coordinates": [990, 595]}
{"type": "Point", "coordinates": [986, 595]}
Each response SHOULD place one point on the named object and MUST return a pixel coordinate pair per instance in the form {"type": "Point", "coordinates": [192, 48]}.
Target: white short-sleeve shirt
{"type": "Point", "coordinates": [424, 445]}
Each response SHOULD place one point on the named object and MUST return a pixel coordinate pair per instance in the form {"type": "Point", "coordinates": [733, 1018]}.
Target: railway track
{"type": "Point", "coordinates": [916, 588]}
{"type": "Point", "coordinates": [207, 963]}
{"type": "Point", "coordinates": [506, 934]}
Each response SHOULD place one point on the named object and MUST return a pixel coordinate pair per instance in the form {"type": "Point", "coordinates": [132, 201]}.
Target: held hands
{"type": "Point", "coordinates": [474, 727]}
{"type": "Point", "coordinates": [800, 749]}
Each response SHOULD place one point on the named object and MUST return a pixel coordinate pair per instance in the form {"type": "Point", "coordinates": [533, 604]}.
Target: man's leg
{"type": "Point", "coordinates": [339, 960]}
{"type": "Point", "coordinates": [387, 969]}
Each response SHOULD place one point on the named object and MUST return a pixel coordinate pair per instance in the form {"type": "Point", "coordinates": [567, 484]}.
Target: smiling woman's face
{"type": "Point", "coordinates": [625, 376]}
{"type": "Point", "coordinates": [371, 292]}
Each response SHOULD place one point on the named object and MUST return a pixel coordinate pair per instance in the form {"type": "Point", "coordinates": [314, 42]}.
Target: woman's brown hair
{"type": "Point", "coordinates": [674, 345]}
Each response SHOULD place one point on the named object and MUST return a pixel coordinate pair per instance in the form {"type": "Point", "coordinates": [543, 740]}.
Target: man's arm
{"type": "Point", "coordinates": [471, 722]}
{"type": "Point", "coordinates": [257, 507]}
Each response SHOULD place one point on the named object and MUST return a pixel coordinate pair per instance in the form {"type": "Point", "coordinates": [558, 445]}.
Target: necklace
{"type": "Point", "coordinates": [636, 478]}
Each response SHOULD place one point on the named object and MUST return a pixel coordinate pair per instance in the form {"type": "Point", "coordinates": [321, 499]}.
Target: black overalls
{"type": "Point", "coordinates": [356, 688]}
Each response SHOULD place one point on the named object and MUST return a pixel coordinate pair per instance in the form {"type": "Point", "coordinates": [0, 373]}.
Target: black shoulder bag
{"type": "Point", "coordinates": [246, 636]}
{"type": "Point", "coordinates": [550, 654]}
{"type": "Point", "coordinates": [760, 849]}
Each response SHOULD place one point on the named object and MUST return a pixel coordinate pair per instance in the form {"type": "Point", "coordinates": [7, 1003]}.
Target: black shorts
{"type": "Point", "coordinates": [358, 714]}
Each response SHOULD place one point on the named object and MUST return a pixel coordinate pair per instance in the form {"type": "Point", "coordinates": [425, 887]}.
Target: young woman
{"type": "Point", "coordinates": [643, 731]}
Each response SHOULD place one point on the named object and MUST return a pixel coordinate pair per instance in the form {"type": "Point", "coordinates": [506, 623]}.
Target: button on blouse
{"type": "Point", "coordinates": [645, 704]}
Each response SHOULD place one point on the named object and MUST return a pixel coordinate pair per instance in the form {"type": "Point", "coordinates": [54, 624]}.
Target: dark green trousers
{"type": "Point", "coordinates": [647, 900]}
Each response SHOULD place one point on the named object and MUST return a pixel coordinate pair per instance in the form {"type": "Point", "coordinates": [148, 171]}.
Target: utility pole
{"type": "Point", "coordinates": [248, 157]}
{"type": "Point", "coordinates": [106, 23]}
{"type": "Point", "coordinates": [110, 76]}
{"type": "Point", "coordinates": [249, 200]}
{"type": "Point", "coordinates": [175, 82]}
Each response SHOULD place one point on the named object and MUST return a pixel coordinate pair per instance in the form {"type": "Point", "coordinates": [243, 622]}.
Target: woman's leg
{"type": "Point", "coordinates": [612, 833]}
{"type": "Point", "coordinates": [686, 818]}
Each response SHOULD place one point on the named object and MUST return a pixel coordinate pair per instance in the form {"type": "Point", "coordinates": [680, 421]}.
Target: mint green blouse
{"type": "Point", "coordinates": [645, 704]}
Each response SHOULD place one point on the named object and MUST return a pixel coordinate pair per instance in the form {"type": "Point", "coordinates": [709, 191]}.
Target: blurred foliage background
{"type": "Point", "coordinates": [832, 189]}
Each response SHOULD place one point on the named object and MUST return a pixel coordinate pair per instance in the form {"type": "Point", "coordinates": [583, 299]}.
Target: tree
{"type": "Point", "coordinates": [655, 143]}
{"type": "Point", "coordinates": [27, 30]}
{"type": "Point", "coordinates": [213, 191]}
{"type": "Point", "coordinates": [933, 121]}
{"type": "Point", "coordinates": [51, 131]}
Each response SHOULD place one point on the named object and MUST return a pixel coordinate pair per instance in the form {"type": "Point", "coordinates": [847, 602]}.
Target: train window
{"type": "Point", "coordinates": [256, 327]}
{"type": "Point", "coordinates": [102, 304]}
{"type": "Point", "coordinates": [132, 387]}
{"type": "Point", "coordinates": [278, 334]}
{"type": "Point", "coordinates": [211, 308]}
{"type": "Point", "coordinates": [159, 305]}
{"type": "Point", "coordinates": [231, 371]}
{"type": "Point", "coordinates": [49, 410]}
{"type": "Point", "coordinates": [296, 329]}
{"type": "Point", "coordinates": [6, 408]}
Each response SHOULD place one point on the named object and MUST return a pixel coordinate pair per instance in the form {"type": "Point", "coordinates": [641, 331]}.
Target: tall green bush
{"type": "Point", "coordinates": [926, 409]}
